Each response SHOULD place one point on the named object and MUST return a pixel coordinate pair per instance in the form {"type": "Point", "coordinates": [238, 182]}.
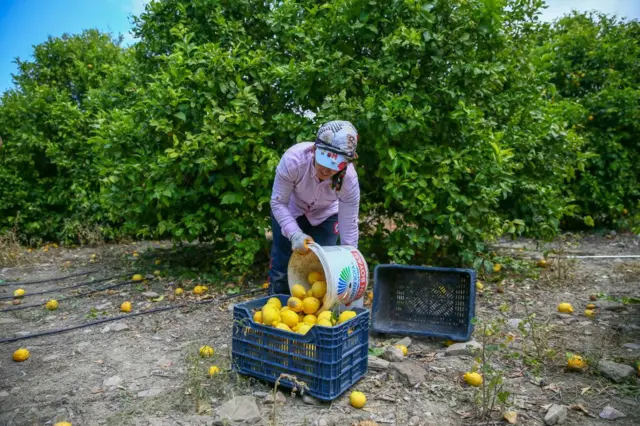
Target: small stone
{"type": "Point", "coordinates": [112, 381]}
{"type": "Point", "coordinates": [406, 341]}
{"type": "Point", "coordinates": [119, 326]}
{"type": "Point", "coordinates": [563, 316]}
{"type": "Point", "coordinates": [230, 307]}
{"type": "Point", "coordinates": [610, 413]}
{"type": "Point", "coordinates": [22, 333]}
{"type": "Point", "coordinates": [464, 348]}
{"type": "Point", "coordinates": [260, 394]}
{"type": "Point", "coordinates": [614, 371]}
{"type": "Point", "coordinates": [377, 364]}
{"type": "Point", "coordinates": [511, 417]}
{"type": "Point", "coordinates": [4, 394]}
{"type": "Point", "coordinates": [150, 392]}
{"type": "Point", "coordinates": [4, 321]}
{"type": "Point", "coordinates": [633, 346]}
{"type": "Point", "coordinates": [104, 306]}
{"type": "Point", "coordinates": [408, 373]}
{"type": "Point", "coordinates": [514, 323]}
{"type": "Point", "coordinates": [392, 354]}
{"type": "Point", "coordinates": [309, 400]}
{"type": "Point", "coordinates": [241, 409]}
{"type": "Point", "coordinates": [610, 306]}
{"type": "Point", "coordinates": [279, 398]}
{"type": "Point", "coordinates": [16, 390]}
{"type": "Point", "coordinates": [556, 415]}
{"type": "Point", "coordinates": [321, 422]}
{"type": "Point", "coordinates": [413, 421]}
{"type": "Point", "coordinates": [150, 294]}
{"type": "Point", "coordinates": [105, 329]}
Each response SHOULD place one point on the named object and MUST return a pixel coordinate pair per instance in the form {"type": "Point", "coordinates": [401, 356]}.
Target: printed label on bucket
{"type": "Point", "coordinates": [352, 281]}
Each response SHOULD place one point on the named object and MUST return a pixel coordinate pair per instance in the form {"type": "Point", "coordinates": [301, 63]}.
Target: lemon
{"type": "Point", "coordinates": [295, 304]}
{"type": "Point", "coordinates": [326, 315]}
{"type": "Point", "coordinates": [265, 285]}
{"type": "Point", "coordinates": [178, 291]}
{"type": "Point", "coordinates": [275, 302]}
{"type": "Point", "coordinates": [473, 379]}
{"type": "Point", "coordinates": [63, 424]}
{"type": "Point", "coordinates": [565, 308]}
{"type": "Point", "coordinates": [257, 317]}
{"type": "Point", "coordinates": [297, 327]}
{"type": "Point", "coordinates": [157, 262]}
{"type": "Point", "coordinates": [213, 370]}
{"type": "Point", "coordinates": [311, 305]}
{"type": "Point", "coordinates": [135, 254]}
{"type": "Point", "coordinates": [479, 285]}
{"type": "Point", "coordinates": [18, 293]}
{"type": "Point", "coordinates": [496, 268]}
{"type": "Point", "coordinates": [589, 313]}
{"type": "Point", "coordinates": [125, 307]}
{"type": "Point", "coordinates": [542, 263]}
{"type": "Point", "coordinates": [309, 293]}
{"type": "Point", "coordinates": [52, 305]}
{"type": "Point", "coordinates": [303, 328]}
{"type": "Point", "coordinates": [284, 309]}
{"type": "Point", "coordinates": [157, 272]}
{"type": "Point", "coordinates": [576, 363]}
{"type": "Point", "coordinates": [403, 348]}
{"type": "Point", "coordinates": [289, 318]}
{"type": "Point", "coordinates": [319, 289]}
{"type": "Point", "coordinates": [346, 316]}
{"type": "Point", "coordinates": [137, 277]}
{"type": "Point", "coordinates": [324, 323]}
{"type": "Point", "coordinates": [310, 319]}
{"type": "Point", "coordinates": [270, 315]}
{"type": "Point", "coordinates": [314, 277]}
{"type": "Point", "coordinates": [283, 326]}
{"type": "Point", "coordinates": [591, 306]}
{"type": "Point", "coordinates": [206, 351]}
{"type": "Point", "coordinates": [357, 399]}
{"type": "Point", "coordinates": [20, 355]}
{"type": "Point", "coordinates": [298, 291]}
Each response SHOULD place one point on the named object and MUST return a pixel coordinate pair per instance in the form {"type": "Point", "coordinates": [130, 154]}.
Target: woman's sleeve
{"type": "Point", "coordinates": [348, 210]}
{"type": "Point", "coordinates": [282, 187]}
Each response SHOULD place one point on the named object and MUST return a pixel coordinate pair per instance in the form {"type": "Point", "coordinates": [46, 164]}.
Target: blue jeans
{"type": "Point", "coordinates": [324, 234]}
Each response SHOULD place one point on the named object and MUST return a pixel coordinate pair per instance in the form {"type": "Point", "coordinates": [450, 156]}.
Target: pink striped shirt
{"type": "Point", "coordinates": [297, 191]}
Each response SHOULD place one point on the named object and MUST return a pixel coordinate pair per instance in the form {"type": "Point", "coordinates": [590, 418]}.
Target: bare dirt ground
{"type": "Point", "coordinates": [146, 370]}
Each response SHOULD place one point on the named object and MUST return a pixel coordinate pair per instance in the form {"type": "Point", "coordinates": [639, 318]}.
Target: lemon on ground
{"type": "Point", "coordinates": [275, 302]}
{"type": "Point", "coordinates": [589, 313]}
{"type": "Point", "coordinates": [270, 315]}
{"type": "Point", "coordinates": [346, 316]}
{"type": "Point", "coordinates": [265, 285]}
{"type": "Point", "coordinates": [52, 305]}
{"type": "Point", "coordinates": [157, 262]}
{"type": "Point", "coordinates": [20, 355]}
{"type": "Point", "coordinates": [310, 319]}
{"type": "Point", "coordinates": [565, 308]}
{"type": "Point", "coordinates": [199, 289]}
{"type": "Point", "coordinates": [473, 379]}
{"type": "Point", "coordinates": [311, 305]}
{"type": "Point", "coordinates": [18, 293]}
{"type": "Point", "coordinates": [178, 291]}
{"type": "Point", "coordinates": [137, 277]}
{"type": "Point", "coordinates": [326, 315]}
{"type": "Point", "coordinates": [283, 326]}
{"type": "Point", "coordinates": [357, 399]}
{"type": "Point", "coordinates": [315, 276]}
{"type": "Point", "coordinates": [289, 318]}
{"type": "Point", "coordinates": [125, 307]}
{"type": "Point", "coordinates": [295, 304]}
{"type": "Point", "coordinates": [575, 362]}
{"type": "Point", "coordinates": [324, 323]}
{"type": "Point", "coordinates": [213, 370]}
{"type": "Point", "coordinates": [479, 285]}
{"type": "Point", "coordinates": [403, 348]}
{"type": "Point", "coordinates": [591, 306]}
{"type": "Point", "coordinates": [257, 317]}
{"type": "Point", "coordinates": [319, 289]}
{"type": "Point", "coordinates": [303, 328]}
{"type": "Point", "coordinates": [298, 291]}
{"type": "Point", "coordinates": [497, 267]}
{"type": "Point", "coordinates": [63, 424]}
{"type": "Point", "coordinates": [135, 254]}
{"type": "Point", "coordinates": [206, 351]}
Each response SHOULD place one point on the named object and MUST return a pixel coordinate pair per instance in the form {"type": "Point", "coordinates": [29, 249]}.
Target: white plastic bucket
{"type": "Point", "coordinates": [344, 268]}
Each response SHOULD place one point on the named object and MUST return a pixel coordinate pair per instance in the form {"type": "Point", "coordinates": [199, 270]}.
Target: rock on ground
{"type": "Point", "coordinates": [309, 400]}
{"type": "Point", "coordinates": [610, 306]}
{"type": "Point", "coordinates": [556, 415]}
{"type": "Point", "coordinates": [150, 294]}
{"type": "Point", "coordinates": [631, 346]}
{"type": "Point", "coordinates": [237, 411]}
{"type": "Point", "coordinates": [405, 342]}
{"type": "Point", "coordinates": [610, 413]}
{"type": "Point", "coordinates": [150, 392]}
{"type": "Point", "coordinates": [279, 398]}
{"type": "Point", "coordinates": [614, 371]}
{"type": "Point", "coordinates": [112, 381]}
{"type": "Point", "coordinates": [392, 354]}
{"type": "Point", "coordinates": [464, 348]}
{"type": "Point", "coordinates": [408, 373]}
{"type": "Point", "coordinates": [377, 364]}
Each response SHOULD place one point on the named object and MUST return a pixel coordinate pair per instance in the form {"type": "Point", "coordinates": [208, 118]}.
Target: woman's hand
{"type": "Point", "coordinates": [298, 242]}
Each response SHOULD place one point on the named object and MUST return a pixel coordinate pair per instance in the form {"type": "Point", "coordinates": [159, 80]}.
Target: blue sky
{"type": "Point", "coordinates": [24, 23]}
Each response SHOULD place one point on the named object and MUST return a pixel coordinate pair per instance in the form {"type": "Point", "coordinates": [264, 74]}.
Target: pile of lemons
{"type": "Point", "coordinates": [303, 309]}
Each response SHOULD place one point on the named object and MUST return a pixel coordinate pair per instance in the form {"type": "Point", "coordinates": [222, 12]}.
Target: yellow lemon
{"type": "Point", "coordinates": [178, 291]}
{"type": "Point", "coordinates": [63, 424]}
{"type": "Point", "coordinates": [270, 315]}
{"type": "Point", "coordinates": [542, 263]}
{"type": "Point", "coordinates": [125, 307]}
{"type": "Point", "coordinates": [283, 309]}
{"type": "Point", "coordinates": [198, 290]}
{"type": "Point", "coordinates": [20, 355]}
{"type": "Point", "coordinates": [265, 285]}
{"type": "Point", "coordinates": [315, 276]}
{"type": "Point", "coordinates": [283, 326]}
{"type": "Point", "coordinates": [591, 306]}
{"type": "Point", "coordinates": [295, 304]}
{"type": "Point", "coordinates": [206, 351]}
{"type": "Point", "coordinates": [589, 313]}
{"type": "Point", "coordinates": [52, 305]}
{"type": "Point", "coordinates": [576, 363]}
{"type": "Point", "coordinates": [324, 323]}
{"type": "Point", "coordinates": [310, 319]}
{"type": "Point", "coordinates": [346, 316]}
{"type": "Point", "coordinates": [257, 317]}
{"type": "Point", "coordinates": [303, 328]}
{"type": "Point", "coordinates": [135, 254]}
{"type": "Point", "coordinates": [479, 285]}
{"type": "Point", "coordinates": [473, 379]}
{"type": "Point", "coordinates": [289, 318]}
{"type": "Point", "coordinates": [18, 293]}
{"type": "Point", "coordinates": [310, 293]}
{"type": "Point", "coordinates": [319, 289]}
{"type": "Point", "coordinates": [298, 291]}
{"type": "Point", "coordinates": [496, 268]}
{"type": "Point", "coordinates": [565, 308]}
{"type": "Point", "coordinates": [357, 399]}
{"type": "Point", "coordinates": [137, 277]}
{"type": "Point", "coordinates": [157, 262]}
{"type": "Point", "coordinates": [311, 305]}
{"type": "Point", "coordinates": [275, 302]}
{"type": "Point", "coordinates": [213, 370]}
{"type": "Point", "coordinates": [326, 315]}
{"type": "Point", "coordinates": [403, 348]}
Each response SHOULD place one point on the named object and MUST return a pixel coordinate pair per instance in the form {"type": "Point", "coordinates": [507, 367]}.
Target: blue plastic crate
{"type": "Point", "coordinates": [424, 301]}
{"type": "Point", "coordinates": [327, 360]}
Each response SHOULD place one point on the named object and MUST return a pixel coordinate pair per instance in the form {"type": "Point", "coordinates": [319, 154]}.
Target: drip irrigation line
{"type": "Point", "coordinates": [61, 288]}
{"type": "Point", "coordinates": [79, 274]}
{"type": "Point", "coordinates": [22, 307]}
{"type": "Point", "coordinates": [101, 321]}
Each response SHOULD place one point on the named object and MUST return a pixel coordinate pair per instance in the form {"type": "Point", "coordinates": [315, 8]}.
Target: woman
{"type": "Point", "coordinates": [316, 188]}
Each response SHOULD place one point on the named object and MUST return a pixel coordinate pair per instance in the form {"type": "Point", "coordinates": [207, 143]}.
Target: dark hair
{"type": "Point", "coordinates": [338, 178]}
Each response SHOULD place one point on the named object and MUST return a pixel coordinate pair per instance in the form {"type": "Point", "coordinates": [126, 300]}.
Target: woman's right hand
{"type": "Point", "coordinates": [298, 242]}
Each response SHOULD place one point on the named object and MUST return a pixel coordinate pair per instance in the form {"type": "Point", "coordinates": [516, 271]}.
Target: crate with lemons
{"type": "Point", "coordinates": [317, 339]}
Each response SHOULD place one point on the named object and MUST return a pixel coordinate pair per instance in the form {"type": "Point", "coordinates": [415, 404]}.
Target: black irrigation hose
{"type": "Point", "coordinates": [79, 274]}
{"type": "Point", "coordinates": [61, 288]}
{"type": "Point", "coordinates": [166, 308]}
{"type": "Point", "coordinates": [22, 307]}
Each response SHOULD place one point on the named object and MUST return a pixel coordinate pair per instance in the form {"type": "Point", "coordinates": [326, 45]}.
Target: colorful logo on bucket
{"type": "Point", "coordinates": [352, 281]}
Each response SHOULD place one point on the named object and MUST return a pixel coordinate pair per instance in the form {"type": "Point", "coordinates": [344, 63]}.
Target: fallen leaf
{"type": "Point", "coordinates": [552, 387]}
{"type": "Point", "coordinates": [584, 390]}
{"type": "Point", "coordinates": [202, 406]}
{"type": "Point", "coordinates": [159, 299]}
{"type": "Point", "coordinates": [464, 415]}
{"type": "Point", "coordinates": [579, 407]}
{"type": "Point", "coordinates": [511, 417]}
